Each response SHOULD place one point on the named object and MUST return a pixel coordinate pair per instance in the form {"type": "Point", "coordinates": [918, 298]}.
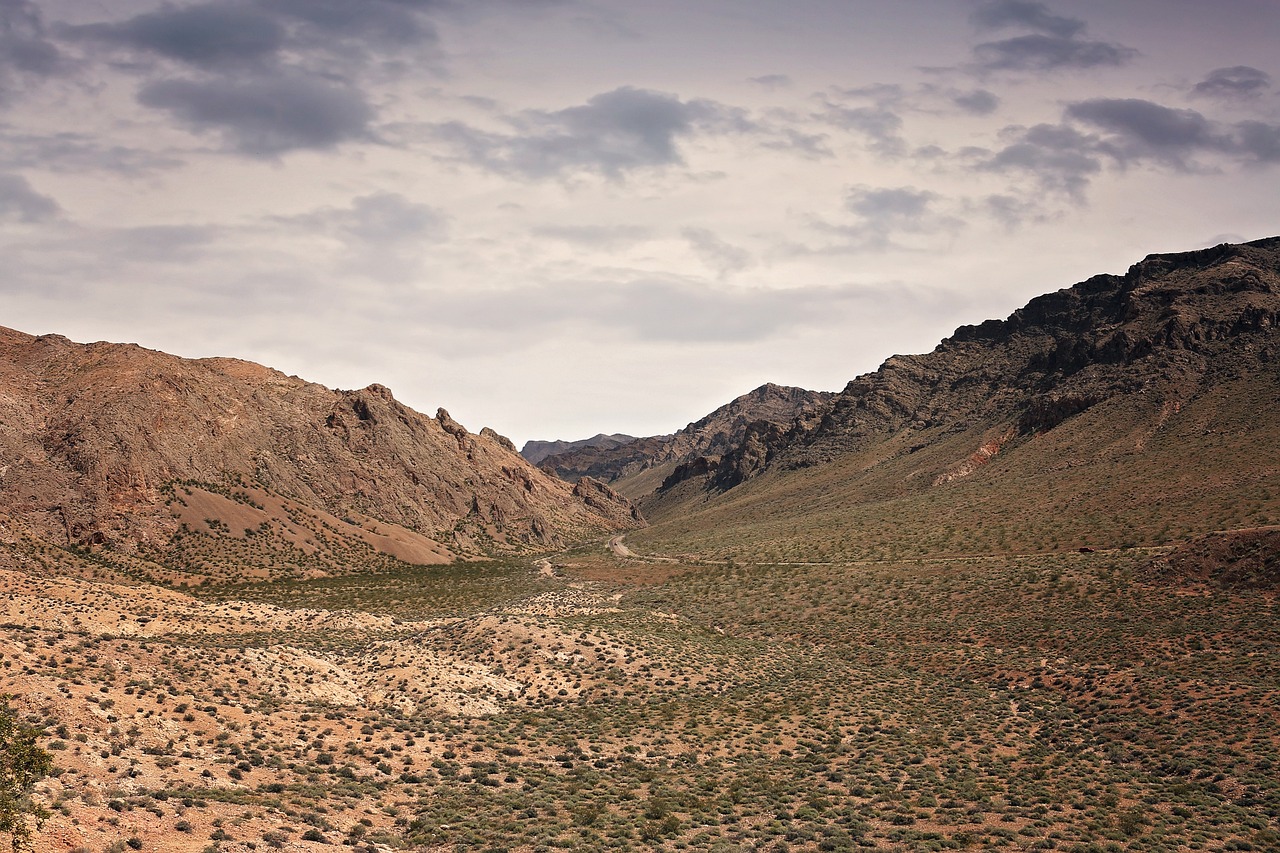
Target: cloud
{"type": "Point", "coordinates": [884, 219]}
{"type": "Point", "coordinates": [1059, 157]}
{"type": "Point", "coordinates": [1053, 43]}
{"type": "Point", "coordinates": [903, 205]}
{"type": "Point", "coordinates": [25, 51]}
{"type": "Point", "coordinates": [612, 134]}
{"type": "Point", "coordinates": [1239, 82]}
{"type": "Point", "coordinates": [1147, 129]}
{"type": "Point", "coordinates": [721, 256]}
{"type": "Point", "coordinates": [267, 117]}
{"type": "Point", "coordinates": [384, 235]}
{"type": "Point", "coordinates": [1029, 15]}
{"type": "Point", "coordinates": [379, 219]}
{"type": "Point", "coordinates": [1040, 52]}
{"type": "Point", "coordinates": [878, 121]}
{"type": "Point", "coordinates": [772, 81]}
{"type": "Point", "coordinates": [979, 102]}
{"type": "Point", "coordinates": [207, 35]}
{"type": "Point", "coordinates": [69, 151]}
{"type": "Point", "coordinates": [654, 309]}
{"type": "Point", "coordinates": [1124, 132]}
{"type": "Point", "coordinates": [20, 203]}
{"type": "Point", "coordinates": [382, 24]}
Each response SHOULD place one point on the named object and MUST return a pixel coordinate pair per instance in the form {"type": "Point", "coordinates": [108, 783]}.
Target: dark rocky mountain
{"type": "Point", "coordinates": [640, 466]}
{"type": "Point", "coordinates": [115, 446]}
{"type": "Point", "coordinates": [1162, 381]}
{"type": "Point", "coordinates": [535, 451]}
{"type": "Point", "coordinates": [1153, 331]}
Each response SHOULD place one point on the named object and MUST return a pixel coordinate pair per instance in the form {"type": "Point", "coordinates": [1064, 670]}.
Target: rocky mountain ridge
{"type": "Point", "coordinates": [94, 437]}
{"type": "Point", "coordinates": [1153, 330]}
{"type": "Point", "coordinates": [535, 451]}
{"type": "Point", "coordinates": [639, 467]}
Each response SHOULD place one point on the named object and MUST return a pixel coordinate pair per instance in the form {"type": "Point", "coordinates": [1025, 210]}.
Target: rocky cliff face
{"type": "Point", "coordinates": [536, 451]}
{"type": "Point", "coordinates": [699, 446]}
{"type": "Point", "coordinates": [1152, 331]}
{"type": "Point", "coordinates": [93, 437]}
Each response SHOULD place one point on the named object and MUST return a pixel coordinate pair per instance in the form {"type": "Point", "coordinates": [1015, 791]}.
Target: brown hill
{"type": "Point", "coordinates": [1127, 408]}
{"type": "Point", "coordinates": [639, 467]}
{"type": "Point", "coordinates": [535, 451]}
{"type": "Point", "coordinates": [1237, 559]}
{"type": "Point", "coordinates": [218, 465]}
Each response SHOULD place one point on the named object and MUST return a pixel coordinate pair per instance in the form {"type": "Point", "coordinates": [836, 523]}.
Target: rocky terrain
{"type": "Point", "coordinates": [1018, 593]}
{"type": "Point", "coordinates": [1078, 404]}
{"type": "Point", "coordinates": [186, 463]}
{"type": "Point", "coordinates": [639, 467]}
{"type": "Point", "coordinates": [535, 451]}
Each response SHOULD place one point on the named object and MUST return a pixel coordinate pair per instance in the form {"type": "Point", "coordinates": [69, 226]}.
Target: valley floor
{"type": "Point", "coordinates": [1072, 701]}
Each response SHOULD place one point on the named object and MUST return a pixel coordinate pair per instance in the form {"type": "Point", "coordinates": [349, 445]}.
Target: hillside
{"type": "Point", "coordinates": [639, 467]}
{"type": "Point", "coordinates": [218, 465]}
{"type": "Point", "coordinates": [535, 451]}
{"type": "Point", "coordinates": [1125, 408]}
{"type": "Point", "coordinates": [938, 615]}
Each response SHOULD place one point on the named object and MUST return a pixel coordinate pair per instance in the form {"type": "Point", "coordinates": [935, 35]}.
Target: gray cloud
{"type": "Point", "coordinates": [380, 219]}
{"type": "Point", "coordinates": [1041, 52]}
{"type": "Point", "coordinates": [25, 50]}
{"type": "Point", "coordinates": [1144, 130]}
{"type": "Point", "coordinates": [1059, 157]}
{"type": "Point", "coordinates": [381, 24]}
{"type": "Point", "coordinates": [1240, 82]}
{"type": "Point", "coordinates": [659, 309]}
{"type": "Point", "coordinates": [979, 102]}
{"type": "Point", "coordinates": [879, 121]}
{"type": "Point", "coordinates": [612, 134]}
{"type": "Point", "coordinates": [19, 202]}
{"type": "Point", "coordinates": [884, 218]}
{"type": "Point", "coordinates": [79, 152]}
{"type": "Point", "coordinates": [1123, 131]}
{"type": "Point", "coordinates": [902, 205]}
{"type": "Point", "coordinates": [1148, 129]}
{"type": "Point", "coordinates": [268, 117]}
{"type": "Point", "coordinates": [772, 81]}
{"type": "Point", "coordinates": [384, 235]}
{"type": "Point", "coordinates": [207, 35]}
{"type": "Point", "coordinates": [1025, 14]}
{"type": "Point", "coordinates": [723, 257]}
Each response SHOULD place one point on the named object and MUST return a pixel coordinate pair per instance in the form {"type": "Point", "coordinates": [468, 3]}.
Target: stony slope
{"type": "Point", "coordinates": [94, 438]}
{"type": "Point", "coordinates": [639, 467]}
{"type": "Point", "coordinates": [1153, 391]}
{"type": "Point", "coordinates": [535, 451]}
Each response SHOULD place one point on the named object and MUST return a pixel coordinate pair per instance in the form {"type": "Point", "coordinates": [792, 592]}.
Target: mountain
{"type": "Point", "coordinates": [536, 451]}
{"type": "Point", "coordinates": [217, 466]}
{"type": "Point", "coordinates": [1135, 407]}
{"type": "Point", "coordinates": [639, 467]}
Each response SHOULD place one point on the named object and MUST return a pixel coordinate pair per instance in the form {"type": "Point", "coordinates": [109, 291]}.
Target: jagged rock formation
{"type": "Point", "coordinates": [1135, 408]}
{"type": "Point", "coordinates": [643, 465]}
{"type": "Point", "coordinates": [94, 437]}
{"type": "Point", "coordinates": [1151, 331]}
{"type": "Point", "coordinates": [536, 451]}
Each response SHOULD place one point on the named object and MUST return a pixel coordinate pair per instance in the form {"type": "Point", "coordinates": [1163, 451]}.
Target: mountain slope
{"type": "Point", "coordinates": [535, 451]}
{"type": "Point", "coordinates": [639, 467]}
{"type": "Point", "coordinates": [95, 437]}
{"type": "Point", "coordinates": [1129, 409]}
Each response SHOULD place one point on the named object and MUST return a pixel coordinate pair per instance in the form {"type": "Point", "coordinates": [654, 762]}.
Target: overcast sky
{"type": "Point", "coordinates": [563, 217]}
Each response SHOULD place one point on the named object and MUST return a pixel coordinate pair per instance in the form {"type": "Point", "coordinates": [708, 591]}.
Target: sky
{"type": "Point", "coordinates": [563, 217]}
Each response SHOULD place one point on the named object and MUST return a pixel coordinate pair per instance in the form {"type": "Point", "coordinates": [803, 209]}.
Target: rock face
{"type": "Point", "coordinates": [536, 451]}
{"type": "Point", "coordinates": [94, 436]}
{"type": "Point", "coordinates": [1153, 331]}
{"type": "Point", "coordinates": [695, 449]}
{"type": "Point", "coordinates": [1241, 559]}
